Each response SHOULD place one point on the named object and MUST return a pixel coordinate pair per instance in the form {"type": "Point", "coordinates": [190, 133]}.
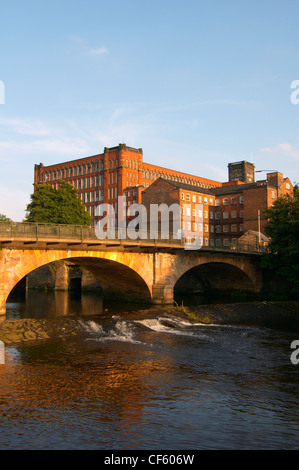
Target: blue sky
{"type": "Point", "coordinates": [197, 84]}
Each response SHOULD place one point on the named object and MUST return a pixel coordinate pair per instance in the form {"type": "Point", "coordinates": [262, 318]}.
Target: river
{"type": "Point", "coordinates": [136, 380]}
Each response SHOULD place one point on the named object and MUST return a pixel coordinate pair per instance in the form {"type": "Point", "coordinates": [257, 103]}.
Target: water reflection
{"type": "Point", "coordinates": [130, 382]}
{"type": "Point", "coordinates": [40, 304]}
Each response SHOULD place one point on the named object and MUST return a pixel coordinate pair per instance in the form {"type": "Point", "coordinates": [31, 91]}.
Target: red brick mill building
{"type": "Point", "coordinates": [229, 209]}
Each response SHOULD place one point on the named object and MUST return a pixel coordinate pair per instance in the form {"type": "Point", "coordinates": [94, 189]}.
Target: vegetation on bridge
{"type": "Point", "coordinates": [57, 206]}
{"type": "Point", "coordinates": [283, 230]}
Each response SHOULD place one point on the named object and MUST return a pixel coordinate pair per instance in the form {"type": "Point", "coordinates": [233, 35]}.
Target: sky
{"type": "Point", "coordinates": [196, 84]}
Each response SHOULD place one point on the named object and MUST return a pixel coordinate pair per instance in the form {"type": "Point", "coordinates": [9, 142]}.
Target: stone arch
{"type": "Point", "coordinates": [244, 265]}
{"type": "Point", "coordinates": [19, 263]}
{"type": "Point", "coordinates": [207, 280]}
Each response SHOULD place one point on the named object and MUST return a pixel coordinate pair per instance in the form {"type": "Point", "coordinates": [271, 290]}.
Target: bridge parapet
{"type": "Point", "coordinates": [17, 234]}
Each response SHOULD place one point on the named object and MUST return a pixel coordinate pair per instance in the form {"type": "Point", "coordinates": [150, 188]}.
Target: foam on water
{"type": "Point", "coordinates": [168, 325]}
{"type": "Point", "coordinates": [119, 331]}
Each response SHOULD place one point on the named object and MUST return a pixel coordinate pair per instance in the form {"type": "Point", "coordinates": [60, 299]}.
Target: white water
{"type": "Point", "coordinates": [120, 331]}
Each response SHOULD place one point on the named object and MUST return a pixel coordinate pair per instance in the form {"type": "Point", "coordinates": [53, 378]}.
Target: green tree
{"type": "Point", "coordinates": [57, 206]}
{"type": "Point", "coordinates": [283, 231]}
{"type": "Point", "coordinates": [3, 218]}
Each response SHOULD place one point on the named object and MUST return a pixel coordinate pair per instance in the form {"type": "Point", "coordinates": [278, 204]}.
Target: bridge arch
{"type": "Point", "coordinates": [121, 275]}
{"type": "Point", "coordinates": [208, 280]}
{"type": "Point", "coordinates": [236, 273]}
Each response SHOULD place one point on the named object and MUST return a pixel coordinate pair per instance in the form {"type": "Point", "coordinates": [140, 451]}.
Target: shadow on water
{"type": "Point", "coordinates": [45, 304]}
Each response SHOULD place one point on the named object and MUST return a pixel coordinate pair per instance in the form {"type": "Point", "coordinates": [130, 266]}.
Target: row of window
{"type": "Point", "coordinates": [226, 201]}
{"type": "Point", "coordinates": [229, 228]}
{"type": "Point", "coordinates": [196, 213]}
{"type": "Point", "coordinates": [90, 181]}
{"type": "Point", "coordinates": [198, 227]}
{"type": "Point", "coordinates": [199, 213]}
{"type": "Point", "coordinates": [197, 199]}
{"type": "Point", "coordinates": [92, 196]}
{"type": "Point", "coordinates": [225, 215]}
{"type": "Point", "coordinates": [73, 171]}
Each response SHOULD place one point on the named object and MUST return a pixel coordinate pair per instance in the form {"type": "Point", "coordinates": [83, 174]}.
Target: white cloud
{"type": "Point", "coordinates": [98, 51]}
{"type": "Point", "coordinates": [283, 149]}
{"type": "Point", "coordinates": [80, 45]}
{"type": "Point", "coordinates": [25, 126]}
{"type": "Point", "coordinates": [68, 147]}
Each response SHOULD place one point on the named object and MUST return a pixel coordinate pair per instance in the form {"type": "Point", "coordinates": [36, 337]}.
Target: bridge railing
{"type": "Point", "coordinates": [38, 231]}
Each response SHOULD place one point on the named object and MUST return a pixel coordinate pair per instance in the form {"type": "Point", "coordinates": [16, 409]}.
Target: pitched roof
{"type": "Point", "coordinates": [185, 186]}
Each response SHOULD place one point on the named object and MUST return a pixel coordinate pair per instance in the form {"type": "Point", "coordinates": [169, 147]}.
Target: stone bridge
{"type": "Point", "coordinates": [131, 270]}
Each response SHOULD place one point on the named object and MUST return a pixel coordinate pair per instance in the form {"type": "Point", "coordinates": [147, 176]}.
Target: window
{"type": "Point", "coordinates": [206, 228]}
{"type": "Point", "coordinates": [225, 215]}
{"type": "Point", "coordinates": [205, 200]}
{"type": "Point", "coordinates": [218, 228]}
{"type": "Point", "coordinates": [200, 199]}
{"type": "Point", "coordinates": [200, 213]}
{"type": "Point", "coordinates": [183, 197]}
{"type": "Point", "coordinates": [218, 242]}
{"type": "Point", "coordinates": [217, 215]}
{"type": "Point", "coordinates": [225, 201]}
{"type": "Point", "coordinates": [211, 215]}
{"type": "Point", "coordinates": [241, 213]}
{"type": "Point", "coordinates": [217, 202]}
{"type": "Point", "coordinates": [273, 194]}
{"type": "Point", "coordinates": [188, 197]}
{"type": "Point", "coordinates": [194, 212]}
{"type": "Point", "coordinates": [226, 242]}
{"type": "Point", "coordinates": [241, 228]}
{"type": "Point", "coordinates": [234, 228]}
{"type": "Point", "coordinates": [225, 228]}
{"type": "Point", "coordinates": [233, 200]}
{"type": "Point", "coordinates": [241, 199]}
{"type": "Point", "coordinates": [234, 214]}
{"type": "Point", "coordinates": [193, 198]}
{"type": "Point", "coordinates": [212, 228]}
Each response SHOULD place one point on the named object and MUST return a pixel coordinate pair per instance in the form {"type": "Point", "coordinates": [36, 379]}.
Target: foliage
{"type": "Point", "coordinates": [283, 230]}
{"type": "Point", "coordinates": [3, 218]}
{"type": "Point", "coordinates": [57, 206]}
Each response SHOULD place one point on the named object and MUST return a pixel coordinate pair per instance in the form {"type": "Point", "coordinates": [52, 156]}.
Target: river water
{"type": "Point", "coordinates": [135, 380]}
